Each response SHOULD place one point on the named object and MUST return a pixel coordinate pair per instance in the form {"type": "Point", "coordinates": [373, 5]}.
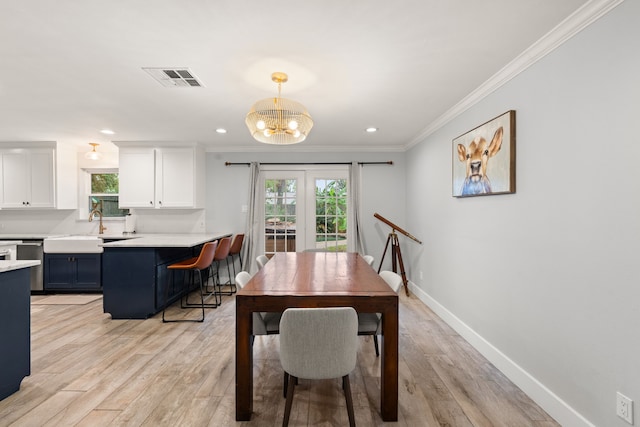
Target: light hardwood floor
{"type": "Point", "coordinates": [89, 370]}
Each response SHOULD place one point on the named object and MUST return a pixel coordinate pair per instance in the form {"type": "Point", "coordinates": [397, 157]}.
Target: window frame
{"type": "Point", "coordinates": [85, 193]}
{"type": "Point", "coordinates": [306, 207]}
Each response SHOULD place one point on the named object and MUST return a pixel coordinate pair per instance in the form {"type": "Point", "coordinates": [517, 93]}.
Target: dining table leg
{"type": "Point", "coordinates": [244, 361]}
{"type": "Point", "coordinates": [389, 365]}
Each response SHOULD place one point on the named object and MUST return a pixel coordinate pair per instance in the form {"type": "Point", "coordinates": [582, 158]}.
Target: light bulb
{"type": "Point", "coordinates": [293, 125]}
{"type": "Point", "coordinates": [296, 133]}
{"type": "Point", "coordinates": [93, 155]}
{"type": "Point", "coordinates": [260, 124]}
{"type": "Point", "coordinates": [267, 133]}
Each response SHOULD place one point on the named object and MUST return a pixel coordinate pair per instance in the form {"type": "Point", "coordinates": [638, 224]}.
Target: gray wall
{"type": "Point", "coordinates": [545, 281]}
{"type": "Point", "coordinates": [383, 189]}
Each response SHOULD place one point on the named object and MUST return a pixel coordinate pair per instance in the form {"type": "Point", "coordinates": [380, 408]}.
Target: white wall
{"type": "Point", "coordinates": [545, 281]}
{"type": "Point", "coordinates": [383, 190]}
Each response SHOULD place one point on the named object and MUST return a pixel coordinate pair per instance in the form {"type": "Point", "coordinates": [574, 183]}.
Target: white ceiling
{"type": "Point", "coordinates": [70, 68]}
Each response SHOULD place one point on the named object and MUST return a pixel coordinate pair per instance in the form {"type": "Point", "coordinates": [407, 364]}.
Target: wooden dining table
{"type": "Point", "coordinates": [317, 279]}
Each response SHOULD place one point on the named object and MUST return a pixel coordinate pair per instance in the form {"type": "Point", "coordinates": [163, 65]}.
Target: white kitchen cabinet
{"type": "Point", "coordinates": [37, 175]}
{"type": "Point", "coordinates": [161, 177]}
{"type": "Point", "coordinates": [136, 172]}
{"type": "Point", "coordinates": [28, 178]}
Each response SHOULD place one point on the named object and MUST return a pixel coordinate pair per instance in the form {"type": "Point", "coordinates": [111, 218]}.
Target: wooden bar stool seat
{"type": "Point", "coordinates": [193, 265]}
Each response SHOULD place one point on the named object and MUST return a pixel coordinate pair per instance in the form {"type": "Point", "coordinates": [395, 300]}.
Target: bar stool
{"type": "Point", "coordinates": [196, 264]}
{"type": "Point", "coordinates": [235, 250]}
{"type": "Point", "coordinates": [222, 253]}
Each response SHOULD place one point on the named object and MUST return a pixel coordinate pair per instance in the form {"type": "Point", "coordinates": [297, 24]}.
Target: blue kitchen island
{"type": "Point", "coordinates": [135, 276]}
{"type": "Point", "coordinates": [15, 324]}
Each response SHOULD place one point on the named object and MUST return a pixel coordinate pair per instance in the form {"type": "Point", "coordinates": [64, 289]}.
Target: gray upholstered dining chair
{"type": "Point", "coordinates": [261, 260]}
{"type": "Point", "coordinates": [371, 323]}
{"type": "Point", "coordinates": [369, 259]}
{"type": "Point", "coordinates": [264, 323]}
{"type": "Point", "coordinates": [318, 343]}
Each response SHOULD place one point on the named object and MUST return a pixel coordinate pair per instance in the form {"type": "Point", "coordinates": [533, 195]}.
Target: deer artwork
{"type": "Point", "coordinates": [476, 158]}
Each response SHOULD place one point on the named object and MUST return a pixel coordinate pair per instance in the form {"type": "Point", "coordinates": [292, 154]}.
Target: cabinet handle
{"type": "Point", "coordinates": [160, 202]}
{"type": "Point", "coordinates": [151, 202]}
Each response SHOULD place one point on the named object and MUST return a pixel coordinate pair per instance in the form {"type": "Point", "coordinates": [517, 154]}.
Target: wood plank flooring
{"type": "Point", "coordinates": [89, 370]}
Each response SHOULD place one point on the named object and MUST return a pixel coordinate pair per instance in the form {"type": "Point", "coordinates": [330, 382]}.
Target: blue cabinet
{"type": "Point", "coordinates": [15, 324]}
{"type": "Point", "coordinates": [72, 272]}
{"type": "Point", "coordinates": [136, 280]}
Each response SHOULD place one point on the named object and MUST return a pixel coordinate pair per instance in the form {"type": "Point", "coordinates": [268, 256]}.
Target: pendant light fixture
{"type": "Point", "coordinates": [93, 154]}
{"type": "Point", "coordinates": [278, 120]}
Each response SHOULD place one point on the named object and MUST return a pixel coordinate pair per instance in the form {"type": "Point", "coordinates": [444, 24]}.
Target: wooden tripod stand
{"type": "Point", "coordinates": [396, 259]}
{"type": "Point", "coordinates": [396, 255]}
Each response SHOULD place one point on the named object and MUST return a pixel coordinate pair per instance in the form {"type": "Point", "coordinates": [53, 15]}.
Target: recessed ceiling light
{"type": "Point", "coordinates": [371, 130]}
{"type": "Point", "coordinates": [107, 132]}
{"type": "Point", "coordinates": [221, 130]}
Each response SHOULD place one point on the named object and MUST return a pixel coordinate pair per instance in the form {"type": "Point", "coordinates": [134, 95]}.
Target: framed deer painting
{"type": "Point", "coordinates": [484, 159]}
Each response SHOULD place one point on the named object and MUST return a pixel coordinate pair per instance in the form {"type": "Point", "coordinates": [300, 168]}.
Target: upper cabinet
{"type": "Point", "coordinates": [37, 176]}
{"type": "Point", "coordinates": [168, 177]}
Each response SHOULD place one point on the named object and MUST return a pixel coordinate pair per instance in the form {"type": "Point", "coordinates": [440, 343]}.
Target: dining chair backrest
{"type": "Point", "coordinates": [263, 323]}
{"type": "Point", "coordinates": [262, 260]}
{"type": "Point", "coordinates": [393, 279]}
{"type": "Point", "coordinates": [223, 249]}
{"type": "Point", "coordinates": [319, 343]}
{"type": "Point", "coordinates": [368, 259]}
{"type": "Point", "coordinates": [242, 279]}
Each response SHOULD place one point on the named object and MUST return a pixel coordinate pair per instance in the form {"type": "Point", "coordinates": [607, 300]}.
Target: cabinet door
{"type": "Point", "coordinates": [175, 174]}
{"type": "Point", "coordinates": [28, 179]}
{"type": "Point", "coordinates": [16, 179]}
{"type": "Point", "coordinates": [87, 271]}
{"type": "Point", "coordinates": [59, 272]}
{"type": "Point", "coordinates": [1, 179]}
{"type": "Point", "coordinates": [137, 178]}
{"type": "Point", "coordinates": [42, 179]}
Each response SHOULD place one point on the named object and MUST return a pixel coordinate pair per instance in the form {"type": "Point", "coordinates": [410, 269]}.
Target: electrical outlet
{"type": "Point", "coordinates": [624, 407]}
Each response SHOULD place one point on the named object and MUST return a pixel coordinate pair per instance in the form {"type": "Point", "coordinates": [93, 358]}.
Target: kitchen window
{"type": "Point", "coordinates": [102, 194]}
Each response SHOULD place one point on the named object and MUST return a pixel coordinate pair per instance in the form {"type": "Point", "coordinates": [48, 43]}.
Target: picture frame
{"type": "Point", "coordinates": [484, 158]}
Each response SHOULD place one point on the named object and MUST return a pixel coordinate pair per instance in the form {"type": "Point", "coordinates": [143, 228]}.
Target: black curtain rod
{"type": "Point", "coordinates": [389, 162]}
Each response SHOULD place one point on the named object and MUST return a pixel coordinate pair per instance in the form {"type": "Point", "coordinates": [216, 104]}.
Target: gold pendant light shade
{"type": "Point", "coordinates": [278, 120]}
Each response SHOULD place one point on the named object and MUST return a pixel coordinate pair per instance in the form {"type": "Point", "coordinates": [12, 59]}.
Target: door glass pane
{"type": "Point", "coordinates": [331, 214]}
{"type": "Point", "coordinates": [280, 215]}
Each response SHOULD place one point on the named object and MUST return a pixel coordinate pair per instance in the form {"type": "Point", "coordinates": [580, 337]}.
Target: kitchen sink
{"type": "Point", "coordinates": [73, 245]}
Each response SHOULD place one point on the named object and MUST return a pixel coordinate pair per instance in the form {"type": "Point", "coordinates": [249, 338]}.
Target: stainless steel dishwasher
{"type": "Point", "coordinates": [32, 250]}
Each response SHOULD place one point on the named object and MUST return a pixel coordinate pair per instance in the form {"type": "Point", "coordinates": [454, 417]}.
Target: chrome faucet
{"type": "Point", "coordinates": [91, 214]}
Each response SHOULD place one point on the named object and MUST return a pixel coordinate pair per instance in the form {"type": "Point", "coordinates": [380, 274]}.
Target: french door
{"type": "Point", "coordinates": [304, 209]}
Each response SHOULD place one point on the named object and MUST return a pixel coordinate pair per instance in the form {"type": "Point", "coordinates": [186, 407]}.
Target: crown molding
{"type": "Point", "coordinates": [572, 25]}
{"type": "Point", "coordinates": [301, 148]}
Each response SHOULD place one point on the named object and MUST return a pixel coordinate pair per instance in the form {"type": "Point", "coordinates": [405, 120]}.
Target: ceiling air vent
{"type": "Point", "coordinates": [174, 77]}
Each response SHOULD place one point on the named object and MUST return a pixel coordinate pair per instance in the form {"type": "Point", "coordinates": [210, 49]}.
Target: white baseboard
{"type": "Point", "coordinates": [538, 392]}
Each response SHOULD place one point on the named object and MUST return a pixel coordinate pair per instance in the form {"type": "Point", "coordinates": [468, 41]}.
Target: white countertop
{"type": "Point", "coordinates": [167, 240]}
{"type": "Point", "coordinates": [16, 265]}
{"type": "Point", "coordinates": [28, 236]}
